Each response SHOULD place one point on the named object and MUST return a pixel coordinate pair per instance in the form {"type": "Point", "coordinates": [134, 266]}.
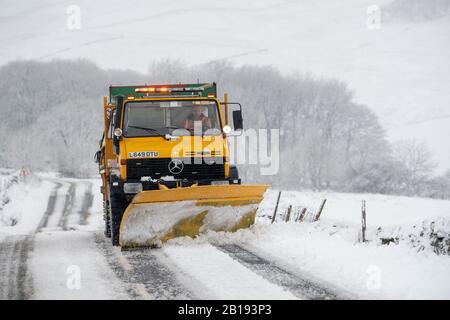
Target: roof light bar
{"type": "Point", "coordinates": [144, 90]}
{"type": "Point", "coordinates": [166, 89]}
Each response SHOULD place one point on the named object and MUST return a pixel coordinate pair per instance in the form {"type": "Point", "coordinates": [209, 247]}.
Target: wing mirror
{"type": "Point", "coordinates": [237, 120]}
{"type": "Point", "coordinates": [117, 131]}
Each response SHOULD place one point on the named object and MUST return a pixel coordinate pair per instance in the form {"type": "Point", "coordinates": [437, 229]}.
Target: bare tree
{"type": "Point", "coordinates": [416, 157]}
{"type": "Point", "coordinates": [326, 140]}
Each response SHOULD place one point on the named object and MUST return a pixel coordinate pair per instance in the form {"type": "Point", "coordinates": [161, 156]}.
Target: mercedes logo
{"type": "Point", "coordinates": [176, 166]}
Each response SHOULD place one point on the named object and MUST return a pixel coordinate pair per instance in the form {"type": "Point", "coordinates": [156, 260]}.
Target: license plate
{"type": "Point", "coordinates": [143, 154]}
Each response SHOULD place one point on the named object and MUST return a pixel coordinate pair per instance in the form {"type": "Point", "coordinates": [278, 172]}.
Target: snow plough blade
{"type": "Point", "coordinates": [154, 217]}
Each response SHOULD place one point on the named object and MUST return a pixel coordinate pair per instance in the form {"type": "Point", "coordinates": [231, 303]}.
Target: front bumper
{"type": "Point", "coordinates": [122, 186]}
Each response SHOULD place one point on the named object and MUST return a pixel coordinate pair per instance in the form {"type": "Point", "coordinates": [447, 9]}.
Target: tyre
{"type": "Point", "coordinates": [106, 218]}
{"type": "Point", "coordinates": [117, 206]}
{"type": "Point", "coordinates": [234, 175]}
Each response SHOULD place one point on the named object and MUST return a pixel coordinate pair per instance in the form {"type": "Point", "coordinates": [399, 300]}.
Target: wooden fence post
{"type": "Point", "coordinates": [276, 207]}
{"type": "Point", "coordinates": [302, 215]}
{"type": "Point", "coordinates": [320, 210]}
{"type": "Point", "coordinates": [288, 216]}
{"type": "Point", "coordinates": [363, 221]}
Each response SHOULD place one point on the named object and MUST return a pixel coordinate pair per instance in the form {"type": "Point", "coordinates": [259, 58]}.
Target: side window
{"type": "Point", "coordinates": [214, 117]}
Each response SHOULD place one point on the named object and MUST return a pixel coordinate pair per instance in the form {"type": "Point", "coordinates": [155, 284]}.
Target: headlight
{"type": "Point", "coordinates": [118, 132]}
{"type": "Point", "coordinates": [134, 187]}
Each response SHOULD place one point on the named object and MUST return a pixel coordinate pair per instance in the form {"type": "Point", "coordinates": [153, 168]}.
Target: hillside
{"type": "Point", "coordinates": [401, 71]}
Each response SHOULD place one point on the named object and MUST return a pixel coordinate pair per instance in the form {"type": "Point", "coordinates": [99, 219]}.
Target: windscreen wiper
{"type": "Point", "coordinates": [173, 127]}
{"type": "Point", "coordinates": [147, 129]}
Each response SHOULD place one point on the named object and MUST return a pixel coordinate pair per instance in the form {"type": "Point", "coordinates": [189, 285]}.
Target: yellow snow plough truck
{"type": "Point", "coordinates": [164, 164]}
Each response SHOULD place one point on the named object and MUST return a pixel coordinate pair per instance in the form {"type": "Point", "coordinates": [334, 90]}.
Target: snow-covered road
{"type": "Point", "coordinates": [52, 247]}
{"type": "Point", "coordinates": [64, 255]}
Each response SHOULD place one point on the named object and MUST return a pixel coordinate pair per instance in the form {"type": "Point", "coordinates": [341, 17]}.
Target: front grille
{"type": "Point", "coordinates": [212, 153]}
{"type": "Point", "coordinates": [209, 168]}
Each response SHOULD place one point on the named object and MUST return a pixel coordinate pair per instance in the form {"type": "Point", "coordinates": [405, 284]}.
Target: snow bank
{"type": "Point", "coordinates": [146, 224]}
{"type": "Point", "coordinates": [7, 180]}
{"type": "Point", "coordinates": [24, 201]}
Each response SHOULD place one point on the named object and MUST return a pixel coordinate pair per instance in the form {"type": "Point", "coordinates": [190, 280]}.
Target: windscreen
{"type": "Point", "coordinates": [183, 117]}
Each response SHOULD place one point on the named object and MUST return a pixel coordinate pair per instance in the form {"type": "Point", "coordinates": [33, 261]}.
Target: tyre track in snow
{"type": "Point", "coordinates": [16, 282]}
{"type": "Point", "coordinates": [148, 277]}
{"type": "Point", "coordinates": [144, 275]}
{"type": "Point", "coordinates": [64, 243]}
{"type": "Point", "coordinates": [50, 207]}
{"type": "Point", "coordinates": [68, 207]}
{"type": "Point", "coordinates": [300, 286]}
{"type": "Point", "coordinates": [157, 279]}
{"type": "Point", "coordinates": [88, 200]}
{"type": "Point", "coordinates": [53, 220]}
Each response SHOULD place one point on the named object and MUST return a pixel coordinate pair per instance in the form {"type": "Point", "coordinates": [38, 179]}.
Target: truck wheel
{"type": "Point", "coordinates": [107, 219]}
{"type": "Point", "coordinates": [117, 204]}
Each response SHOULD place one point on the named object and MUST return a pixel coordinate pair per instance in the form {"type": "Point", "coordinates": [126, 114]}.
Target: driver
{"type": "Point", "coordinates": [197, 115]}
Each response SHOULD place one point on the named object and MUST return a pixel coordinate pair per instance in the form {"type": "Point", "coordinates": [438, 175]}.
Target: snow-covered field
{"type": "Point", "coordinates": [345, 208]}
{"type": "Point", "coordinates": [330, 250]}
{"type": "Point", "coordinates": [62, 220]}
{"type": "Point", "coordinates": [401, 70]}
